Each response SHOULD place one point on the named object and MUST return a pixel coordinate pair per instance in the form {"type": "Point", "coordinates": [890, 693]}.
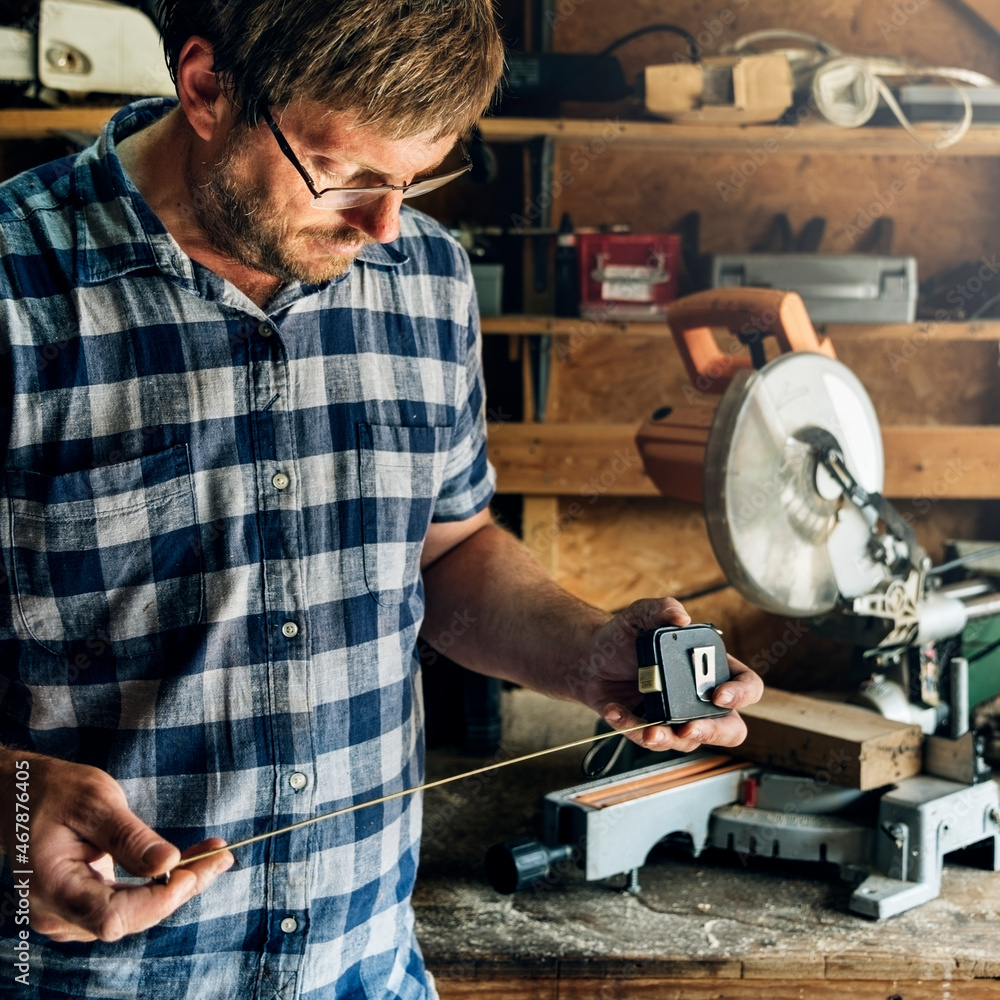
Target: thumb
{"type": "Point", "coordinates": [111, 826]}
{"type": "Point", "coordinates": [652, 612]}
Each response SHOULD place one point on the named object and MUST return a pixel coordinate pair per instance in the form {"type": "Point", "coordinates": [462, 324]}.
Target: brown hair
{"type": "Point", "coordinates": [403, 66]}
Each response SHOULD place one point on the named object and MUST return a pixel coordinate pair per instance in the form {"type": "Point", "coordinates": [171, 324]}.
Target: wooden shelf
{"type": "Point", "coordinates": [772, 140]}
{"type": "Point", "coordinates": [39, 123]}
{"type": "Point", "coordinates": [574, 460]}
{"type": "Point", "coordinates": [519, 326]}
{"type": "Point", "coordinates": [44, 123]}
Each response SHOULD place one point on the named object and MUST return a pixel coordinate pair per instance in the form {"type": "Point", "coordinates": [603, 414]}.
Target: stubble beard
{"type": "Point", "coordinates": [239, 219]}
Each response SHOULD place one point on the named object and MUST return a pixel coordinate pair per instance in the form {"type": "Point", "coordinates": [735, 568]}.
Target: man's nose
{"type": "Point", "coordinates": [378, 219]}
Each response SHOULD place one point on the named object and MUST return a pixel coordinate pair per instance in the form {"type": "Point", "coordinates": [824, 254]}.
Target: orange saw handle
{"type": "Point", "coordinates": [749, 314]}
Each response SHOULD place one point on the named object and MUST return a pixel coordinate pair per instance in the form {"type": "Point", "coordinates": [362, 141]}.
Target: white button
{"type": "Point", "coordinates": [289, 630]}
{"type": "Point", "coordinates": [298, 780]}
{"type": "Point", "coordinates": [264, 330]}
{"type": "Point", "coordinates": [289, 926]}
{"type": "Point", "coordinates": [280, 481]}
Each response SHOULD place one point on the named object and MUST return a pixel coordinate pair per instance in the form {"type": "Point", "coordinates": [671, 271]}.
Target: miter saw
{"type": "Point", "coordinates": [791, 478]}
{"type": "Point", "coordinates": [86, 47]}
{"type": "Point", "coordinates": [791, 472]}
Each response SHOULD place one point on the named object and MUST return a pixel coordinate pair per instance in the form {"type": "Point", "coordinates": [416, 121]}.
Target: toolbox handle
{"type": "Point", "coordinates": [749, 314]}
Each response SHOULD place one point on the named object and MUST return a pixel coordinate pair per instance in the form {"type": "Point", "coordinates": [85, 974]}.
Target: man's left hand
{"type": "Point", "coordinates": [607, 682]}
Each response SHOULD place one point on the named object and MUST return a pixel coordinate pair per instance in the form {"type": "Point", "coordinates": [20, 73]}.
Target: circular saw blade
{"type": "Point", "coordinates": [784, 534]}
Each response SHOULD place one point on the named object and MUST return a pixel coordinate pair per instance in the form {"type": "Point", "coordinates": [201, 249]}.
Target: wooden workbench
{"type": "Point", "coordinates": [699, 929]}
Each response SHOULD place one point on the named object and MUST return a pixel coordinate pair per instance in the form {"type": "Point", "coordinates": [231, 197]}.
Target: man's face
{"type": "Point", "coordinates": [254, 207]}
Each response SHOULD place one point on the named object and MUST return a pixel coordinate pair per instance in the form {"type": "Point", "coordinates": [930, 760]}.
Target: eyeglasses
{"type": "Point", "coordinates": [352, 197]}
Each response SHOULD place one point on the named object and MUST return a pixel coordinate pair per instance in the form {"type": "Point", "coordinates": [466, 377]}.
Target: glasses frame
{"type": "Point", "coordinates": [412, 190]}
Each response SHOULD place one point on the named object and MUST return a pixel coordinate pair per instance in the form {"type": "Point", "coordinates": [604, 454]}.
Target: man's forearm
{"type": "Point", "coordinates": [492, 608]}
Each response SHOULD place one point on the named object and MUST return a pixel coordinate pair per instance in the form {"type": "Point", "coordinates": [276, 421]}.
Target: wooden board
{"type": "Point", "coordinates": [930, 374]}
{"type": "Point", "coordinates": [986, 11]}
{"type": "Point", "coordinates": [587, 461]}
{"type": "Point", "coordinates": [624, 985]}
{"type": "Point", "coordinates": [713, 926]}
{"type": "Point", "coordinates": [40, 123]}
{"type": "Point", "coordinates": [851, 745]}
{"type": "Point", "coordinates": [590, 135]}
{"type": "Point", "coordinates": [944, 208]}
{"type": "Point", "coordinates": [934, 33]}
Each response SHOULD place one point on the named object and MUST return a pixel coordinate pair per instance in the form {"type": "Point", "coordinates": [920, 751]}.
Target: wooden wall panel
{"type": "Point", "coordinates": [617, 550]}
{"type": "Point", "coordinates": [946, 210]}
{"type": "Point", "coordinates": [912, 377]}
{"type": "Point", "coordinates": [935, 32]}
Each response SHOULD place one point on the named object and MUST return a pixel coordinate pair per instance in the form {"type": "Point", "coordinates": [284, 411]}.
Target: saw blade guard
{"type": "Point", "coordinates": [781, 527]}
{"type": "Point", "coordinates": [749, 314]}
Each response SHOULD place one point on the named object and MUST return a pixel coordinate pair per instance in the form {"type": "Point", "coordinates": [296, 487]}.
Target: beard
{"type": "Point", "coordinates": [240, 220]}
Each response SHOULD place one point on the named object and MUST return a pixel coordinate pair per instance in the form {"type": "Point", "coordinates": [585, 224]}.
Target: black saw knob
{"type": "Point", "coordinates": [517, 863]}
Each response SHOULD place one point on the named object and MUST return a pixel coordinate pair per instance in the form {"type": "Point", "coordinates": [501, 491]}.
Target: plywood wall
{"type": "Point", "coordinates": [946, 210]}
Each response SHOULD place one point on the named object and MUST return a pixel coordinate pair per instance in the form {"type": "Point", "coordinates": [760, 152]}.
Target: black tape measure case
{"type": "Point", "coordinates": [679, 669]}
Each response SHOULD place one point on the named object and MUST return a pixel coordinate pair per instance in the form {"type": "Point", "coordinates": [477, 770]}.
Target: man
{"type": "Point", "coordinates": [244, 464]}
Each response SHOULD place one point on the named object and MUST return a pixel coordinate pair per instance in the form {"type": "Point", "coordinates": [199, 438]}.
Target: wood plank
{"type": "Point", "coordinates": [776, 140]}
{"type": "Point", "coordinates": [508, 987]}
{"type": "Point", "coordinates": [622, 986]}
{"type": "Point", "coordinates": [540, 528]}
{"type": "Point", "coordinates": [855, 747]}
{"type": "Point", "coordinates": [633, 788]}
{"type": "Point", "coordinates": [42, 123]}
{"type": "Point", "coordinates": [578, 330]}
{"type": "Point", "coordinates": [593, 460]}
{"type": "Point", "coordinates": [987, 11]}
{"type": "Point", "coordinates": [565, 459]}
{"type": "Point", "coordinates": [935, 462]}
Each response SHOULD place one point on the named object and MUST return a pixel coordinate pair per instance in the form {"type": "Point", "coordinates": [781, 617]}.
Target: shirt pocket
{"type": "Point", "coordinates": [107, 559]}
{"type": "Point", "coordinates": [401, 470]}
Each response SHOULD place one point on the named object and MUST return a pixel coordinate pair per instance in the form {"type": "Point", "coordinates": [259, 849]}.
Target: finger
{"type": "Point", "coordinates": [653, 737]}
{"type": "Point", "coordinates": [212, 844]}
{"type": "Point", "coordinates": [743, 688]}
{"type": "Point", "coordinates": [652, 612]}
{"type": "Point", "coordinates": [90, 909]}
{"type": "Point", "coordinates": [99, 813]}
{"type": "Point", "coordinates": [728, 731]}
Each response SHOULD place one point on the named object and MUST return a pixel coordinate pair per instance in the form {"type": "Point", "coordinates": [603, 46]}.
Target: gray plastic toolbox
{"type": "Point", "coordinates": [836, 288]}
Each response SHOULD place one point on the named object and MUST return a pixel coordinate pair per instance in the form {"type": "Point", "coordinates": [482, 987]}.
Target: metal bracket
{"type": "Point", "coordinates": [703, 662]}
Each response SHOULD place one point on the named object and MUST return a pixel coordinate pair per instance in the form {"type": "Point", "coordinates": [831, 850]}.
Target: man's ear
{"type": "Point", "coordinates": [201, 97]}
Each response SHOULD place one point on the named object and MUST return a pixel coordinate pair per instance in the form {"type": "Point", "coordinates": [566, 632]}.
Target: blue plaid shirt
{"type": "Point", "coordinates": [212, 517]}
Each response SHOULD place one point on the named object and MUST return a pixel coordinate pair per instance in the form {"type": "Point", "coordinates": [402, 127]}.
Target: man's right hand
{"type": "Point", "coordinates": [80, 825]}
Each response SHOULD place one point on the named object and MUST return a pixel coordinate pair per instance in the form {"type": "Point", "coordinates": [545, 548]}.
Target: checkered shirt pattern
{"type": "Point", "coordinates": [211, 522]}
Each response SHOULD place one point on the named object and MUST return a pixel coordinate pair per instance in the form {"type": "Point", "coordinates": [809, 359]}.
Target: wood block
{"type": "Point", "coordinates": [845, 744]}
{"type": "Point", "coordinates": [592, 460]}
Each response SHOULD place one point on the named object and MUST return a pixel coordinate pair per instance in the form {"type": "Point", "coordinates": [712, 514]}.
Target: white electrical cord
{"type": "Point", "coordinates": [846, 89]}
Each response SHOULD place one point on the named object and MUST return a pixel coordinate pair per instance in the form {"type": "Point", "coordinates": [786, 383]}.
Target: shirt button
{"type": "Point", "coordinates": [265, 330]}
{"type": "Point", "coordinates": [289, 925]}
{"type": "Point", "coordinates": [280, 481]}
{"type": "Point", "coordinates": [289, 630]}
{"type": "Point", "coordinates": [298, 780]}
